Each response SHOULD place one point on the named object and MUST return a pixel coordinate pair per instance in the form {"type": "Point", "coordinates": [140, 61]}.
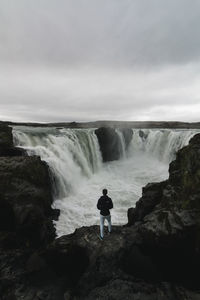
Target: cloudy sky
{"type": "Point", "coordinates": [83, 60]}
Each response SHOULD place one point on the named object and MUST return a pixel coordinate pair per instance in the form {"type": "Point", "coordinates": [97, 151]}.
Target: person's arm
{"type": "Point", "coordinates": [110, 204]}
{"type": "Point", "coordinates": [99, 204]}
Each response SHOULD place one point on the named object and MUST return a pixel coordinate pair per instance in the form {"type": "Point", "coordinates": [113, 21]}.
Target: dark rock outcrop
{"type": "Point", "coordinates": [25, 199]}
{"type": "Point", "coordinates": [169, 217]}
{"type": "Point", "coordinates": [80, 266]}
{"type": "Point", "coordinates": [6, 138]}
{"type": "Point", "coordinates": [174, 203]}
{"type": "Point", "coordinates": [142, 134]}
{"type": "Point", "coordinates": [110, 144]}
{"type": "Point", "coordinates": [25, 196]}
{"type": "Point", "coordinates": [6, 143]}
{"type": "Point", "coordinates": [25, 222]}
{"type": "Point", "coordinates": [151, 196]}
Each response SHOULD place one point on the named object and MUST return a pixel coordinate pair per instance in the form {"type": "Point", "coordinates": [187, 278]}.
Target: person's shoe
{"type": "Point", "coordinates": [100, 237]}
{"type": "Point", "coordinates": [109, 232]}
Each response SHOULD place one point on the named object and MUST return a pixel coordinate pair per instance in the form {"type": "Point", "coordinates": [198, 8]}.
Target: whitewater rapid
{"type": "Point", "coordinates": [75, 161]}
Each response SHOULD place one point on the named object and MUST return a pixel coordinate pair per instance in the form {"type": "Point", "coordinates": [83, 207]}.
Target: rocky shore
{"type": "Point", "coordinates": [156, 255]}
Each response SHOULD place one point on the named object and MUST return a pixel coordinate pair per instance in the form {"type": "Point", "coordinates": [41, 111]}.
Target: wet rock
{"type": "Point", "coordinates": [142, 134]}
{"type": "Point", "coordinates": [109, 143]}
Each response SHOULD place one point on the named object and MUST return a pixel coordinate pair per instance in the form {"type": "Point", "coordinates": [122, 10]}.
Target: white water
{"type": "Point", "coordinates": [75, 161]}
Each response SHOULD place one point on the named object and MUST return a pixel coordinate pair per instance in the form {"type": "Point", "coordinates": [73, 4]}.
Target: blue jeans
{"type": "Point", "coordinates": [102, 219]}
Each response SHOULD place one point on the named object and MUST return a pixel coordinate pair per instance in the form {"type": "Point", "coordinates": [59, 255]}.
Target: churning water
{"type": "Point", "coordinates": [74, 158]}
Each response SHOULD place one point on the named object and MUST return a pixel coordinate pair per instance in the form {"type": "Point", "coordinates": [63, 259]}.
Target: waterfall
{"type": "Point", "coordinates": [159, 143]}
{"type": "Point", "coordinates": [71, 154]}
{"type": "Point", "coordinates": [122, 145]}
{"type": "Point", "coordinates": [75, 161]}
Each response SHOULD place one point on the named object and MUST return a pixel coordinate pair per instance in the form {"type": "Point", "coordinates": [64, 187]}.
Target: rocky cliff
{"type": "Point", "coordinates": [155, 256]}
{"type": "Point", "coordinates": [25, 210]}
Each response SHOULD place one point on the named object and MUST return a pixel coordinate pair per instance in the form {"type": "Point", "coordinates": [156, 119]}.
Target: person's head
{"type": "Point", "coordinates": [105, 192]}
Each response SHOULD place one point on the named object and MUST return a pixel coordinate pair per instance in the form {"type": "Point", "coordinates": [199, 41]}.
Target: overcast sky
{"type": "Point", "coordinates": [84, 60]}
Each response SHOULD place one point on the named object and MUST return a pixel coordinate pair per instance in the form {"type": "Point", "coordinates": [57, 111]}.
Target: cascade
{"type": "Point", "coordinates": [75, 161]}
{"type": "Point", "coordinates": [161, 143]}
{"type": "Point", "coordinates": [121, 143]}
{"type": "Point", "coordinates": [70, 154]}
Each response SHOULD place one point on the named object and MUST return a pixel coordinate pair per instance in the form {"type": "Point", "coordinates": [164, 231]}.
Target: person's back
{"type": "Point", "coordinates": [104, 204]}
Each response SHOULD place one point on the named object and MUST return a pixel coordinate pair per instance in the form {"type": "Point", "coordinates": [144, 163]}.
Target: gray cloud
{"type": "Point", "coordinates": [90, 59]}
{"type": "Point", "coordinates": [120, 33]}
{"type": "Point", "coordinates": [54, 94]}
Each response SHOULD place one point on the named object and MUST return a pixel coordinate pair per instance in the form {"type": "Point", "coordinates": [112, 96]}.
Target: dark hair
{"type": "Point", "coordinates": [105, 192]}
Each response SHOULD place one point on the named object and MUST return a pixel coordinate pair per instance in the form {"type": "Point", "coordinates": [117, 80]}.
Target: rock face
{"type": "Point", "coordinates": [169, 216]}
{"type": "Point", "coordinates": [6, 143]}
{"type": "Point", "coordinates": [25, 199]}
{"type": "Point", "coordinates": [110, 144]}
{"type": "Point", "coordinates": [172, 208]}
{"type": "Point", "coordinates": [25, 216]}
{"type": "Point", "coordinates": [25, 196]}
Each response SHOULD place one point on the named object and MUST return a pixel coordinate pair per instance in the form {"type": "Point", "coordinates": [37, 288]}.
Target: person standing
{"type": "Point", "coordinates": [104, 204]}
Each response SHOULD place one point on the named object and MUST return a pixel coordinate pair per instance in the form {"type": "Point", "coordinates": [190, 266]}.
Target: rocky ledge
{"type": "Point", "coordinates": [155, 256]}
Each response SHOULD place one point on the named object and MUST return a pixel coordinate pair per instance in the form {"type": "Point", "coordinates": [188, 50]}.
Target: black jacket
{"type": "Point", "coordinates": [104, 204]}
